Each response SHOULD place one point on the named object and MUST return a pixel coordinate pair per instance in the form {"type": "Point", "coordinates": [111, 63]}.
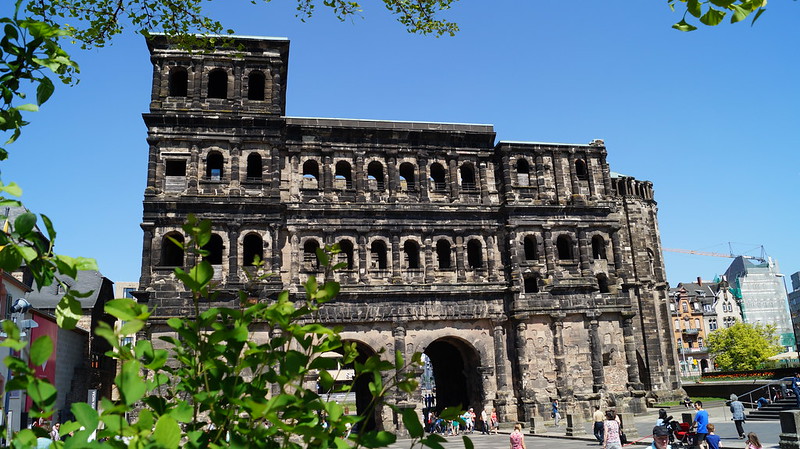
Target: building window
{"type": "Point", "coordinates": [712, 324]}
{"type": "Point", "coordinates": [531, 248]}
{"type": "Point", "coordinates": [580, 170]}
{"type": "Point", "coordinates": [172, 252]}
{"type": "Point", "coordinates": [598, 247]}
{"type": "Point", "coordinates": [523, 173]}
{"type": "Point", "coordinates": [214, 248]}
{"type": "Point", "coordinates": [602, 283]}
{"type": "Point", "coordinates": [685, 307]}
{"type": "Point", "coordinates": [468, 178]}
{"type": "Point", "coordinates": [310, 262]}
{"type": "Point", "coordinates": [443, 254]}
{"type": "Point", "coordinates": [438, 177]}
{"type": "Point", "coordinates": [411, 254]}
{"type": "Point", "coordinates": [255, 86]}
{"type": "Point", "coordinates": [252, 249]}
{"type": "Point", "coordinates": [531, 284]}
{"type": "Point", "coordinates": [564, 247]}
{"type": "Point", "coordinates": [254, 167]}
{"type": "Point", "coordinates": [218, 84]}
{"type": "Point", "coordinates": [407, 177]}
{"type": "Point", "coordinates": [379, 260]}
{"type": "Point", "coordinates": [474, 254]}
{"type": "Point", "coordinates": [375, 179]}
{"type": "Point", "coordinates": [677, 324]}
{"type": "Point", "coordinates": [178, 82]}
{"type": "Point", "coordinates": [310, 174]}
{"type": "Point", "coordinates": [343, 179]}
{"type": "Point", "coordinates": [214, 166]}
{"type": "Point", "coordinates": [346, 254]}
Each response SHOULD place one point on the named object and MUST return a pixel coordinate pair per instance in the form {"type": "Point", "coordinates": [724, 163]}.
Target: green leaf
{"type": "Point", "coordinates": [30, 107]}
{"type": "Point", "coordinates": [684, 26]}
{"type": "Point", "coordinates": [377, 439]}
{"type": "Point", "coordinates": [757, 15]}
{"type": "Point", "coordinates": [42, 393]}
{"type": "Point", "coordinates": [130, 384]}
{"type": "Point", "coordinates": [739, 14]}
{"type": "Point", "coordinates": [86, 415]}
{"type": "Point", "coordinates": [182, 412]}
{"type": "Point", "coordinates": [467, 442]}
{"type": "Point", "coordinates": [712, 17]}
{"type": "Point", "coordinates": [122, 308]}
{"type": "Point", "coordinates": [411, 421]}
{"type": "Point", "coordinates": [131, 327]}
{"type": "Point", "coordinates": [10, 259]}
{"type": "Point", "coordinates": [694, 8]}
{"type": "Point", "coordinates": [167, 432]}
{"type": "Point", "coordinates": [24, 223]}
{"type": "Point", "coordinates": [12, 189]}
{"type": "Point", "coordinates": [44, 90]}
{"type": "Point", "coordinates": [41, 349]}
{"type": "Point", "coordinates": [68, 312]}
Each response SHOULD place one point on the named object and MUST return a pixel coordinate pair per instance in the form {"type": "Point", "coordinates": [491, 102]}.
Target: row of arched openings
{"type": "Point", "coordinates": [172, 254]}
{"type": "Point", "coordinates": [376, 176]}
{"type": "Point", "coordinates": [378, 258]}
{"type": "Point", "coordinates": [217, 86]}
{"type": "Point", "coordinates": [565, 247]}
{"type": "Point", "coordinates": [523, 169]}
{"type": "Point", "coordinates": [215, 166]}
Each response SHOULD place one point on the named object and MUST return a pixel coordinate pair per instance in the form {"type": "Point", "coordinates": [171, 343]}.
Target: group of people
{"type": "Point", "coordinates": [485, 422]}
{"type": "Point", "coordinates": [704, 431]}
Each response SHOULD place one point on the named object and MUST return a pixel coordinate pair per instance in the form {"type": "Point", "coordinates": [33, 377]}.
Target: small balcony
{"type": "Point", "coordinates": [690, 331]}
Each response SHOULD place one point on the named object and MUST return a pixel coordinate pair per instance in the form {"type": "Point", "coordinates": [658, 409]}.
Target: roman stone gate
{"type": "Point", "coordinates": [525, 271]}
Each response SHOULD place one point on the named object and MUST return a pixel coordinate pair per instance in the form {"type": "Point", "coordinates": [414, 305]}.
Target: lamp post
{"type": "Point", "coordinates": [14, 409]}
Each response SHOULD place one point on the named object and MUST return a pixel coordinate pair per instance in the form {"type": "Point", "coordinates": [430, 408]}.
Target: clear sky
{"type": "Point", "coordinates": [710, 117]}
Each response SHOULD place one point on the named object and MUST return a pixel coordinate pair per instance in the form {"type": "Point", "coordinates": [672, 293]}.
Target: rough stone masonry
{"type": "Point", "coordinates": [526, 271]}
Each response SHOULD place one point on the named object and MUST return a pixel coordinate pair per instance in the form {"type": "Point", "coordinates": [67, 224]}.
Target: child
{"type": "Point", "coordinates": [752, 441]}
{"type": "Point", "coordinates": [712, 439]}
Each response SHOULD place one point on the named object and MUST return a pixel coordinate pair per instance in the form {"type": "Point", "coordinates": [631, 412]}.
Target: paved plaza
{"type": "Point", "coordinates": [555, 438]}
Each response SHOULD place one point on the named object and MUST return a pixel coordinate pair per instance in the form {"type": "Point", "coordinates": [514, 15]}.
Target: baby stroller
{"type": "Point", "coordinates": [682, 434]}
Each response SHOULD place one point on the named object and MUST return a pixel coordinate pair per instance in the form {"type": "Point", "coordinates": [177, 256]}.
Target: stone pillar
{"type": "Point", "coordinates": [233, 256]}
{"type": "Point", "coordinates": [629, 426]}
{"type": "Point", "coordinates": [275, 253]}
{"type": "Point", "coordinates": [575, 425]}
{"type": "Point", "coordinates": [584, 252]}
{"type": "Point", "coordinates": [558, 178]}
{"type": "Point", "coordinates": [482, 183]}
{"type": "Point", "coordinates": [152, 165]}
{"type": "Point", "coordinates": [454, 187]}
{"type": "Point", "coordinates": [238, 76]}
{"type": "Point", "coordinates": [540, 181]}
{"type": "Point", "coordinates": [790, 429]}
{"type": "Point", "coordinates": [573, 177]}
{"type": "Point", "coordinates": [428, 253]}
{"type": "Point", "coordinates": [235, 152]}
{"type": "Point", "coordinates": [358, 175]}
{"type": "Point", "coordinates": [396, 258]}
{"type": "Point", "coordinates": [399, 334]}
{"type": "Point", "coordinates": [590, 163]}
{"type": "Point", "coordinates": [490, 261]}
{"type": "Point", "coordinates": [459, 248]}
{"type": "Point", "coordinates": [617, 249]}
{"type": "Point", "coordinates": [147, 255]}
{"type": "Point", "coordinates": [391, 170]}
{"type": "Point", "coordinates": [295, 258]}
{"type": "Point", "coordinates": [596, 347]}
{"type": "Point", "coordinates": [557, 327]}
{"type": "Point", "coordinates": [363, 266]}
{"type": "Point", "coordinates": [327, 177]}
{"type": "Point", "coordinates": [549, 250]}
{"type": "Point", "coordinates": [423, 179]}
{"type": "Point", "coordinates": [197, 78]}
{"type": "Point", "coordinates": [630, 351]}
{"type": "Point", "coordinates": [500, 357]}
{"type": "Point", "coordinates": [192, 171]}
{"type": "Point", "coordinates": [295, 177]}
{"type": "Point", "coordinates": [606, 175]}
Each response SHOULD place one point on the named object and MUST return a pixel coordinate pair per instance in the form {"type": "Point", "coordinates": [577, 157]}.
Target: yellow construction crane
{"type": "Point", "coordinates": [706, 253]}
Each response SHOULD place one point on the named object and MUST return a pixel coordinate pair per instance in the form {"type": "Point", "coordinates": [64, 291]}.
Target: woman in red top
{"type": "Point", "coordinates": [517, 438]}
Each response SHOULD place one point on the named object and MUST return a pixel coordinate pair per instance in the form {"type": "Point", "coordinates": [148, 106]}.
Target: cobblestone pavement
{"type": "Point", "coordinates": [555, 438]}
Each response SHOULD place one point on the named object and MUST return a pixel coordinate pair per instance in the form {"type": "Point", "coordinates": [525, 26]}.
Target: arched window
{"type": "Point", "coordinates": [602, 283]}
{"type": "Point", "coordinates": [598, 247]}
{"type": "Point", "coordinates": [411, 254]}
{"type": "Point", "coordinates": [172, 253]}
{"type": "Point", "coordinates": [438, 177]}
{"type": "Point", "coordinates": [378, 253]}
{"type": "Point", "coordinates": [214, 248]}
{"type": "Point", "coordinates": [255, 86]}
{"type": "Point", "coordinates": [407, 177]}
{"type": "Point", "coordinates": [310, 262]}
{"type": "Point", "coordinates": [523, 173]}
{"type": "Point", "coordinates": [178, 82]}
{"type": "Point", "coordinates": [214, 166]}
{"type": "Point", "coordinates": [254, 167]}
{"type": "Point", "coordinates": [252, 248]}
{"type": "Point", "coordinates": [218, 83]}
{"type": "Point", "coordinates": [531, 248]}
{"type": "Point", "coordinates": [532, 284]}
{"type": "Point", "coordinates": [474, 254]}
{"type": "Point", "coordinates": [346, 253]}
{"type": "Point", "coordinates": [580, 170]}
{"type": "Point", "coordinates": [343, 178]}
{"type": "Point", "coordinates": [310, 174]}
{"type": "Point", "coordinates": [564, 246]}
{"type": "Point", "coordinates": [375, 176]}
{"type": "Point", "coordinates": [443, 254]}
{"type": "Point", "coordinates": [468, 178]}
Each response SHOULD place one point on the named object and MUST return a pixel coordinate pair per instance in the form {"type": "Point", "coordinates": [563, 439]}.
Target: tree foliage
{"type": "Point", "coordinates": [713, 12]}
{"type": "Point", "coordinates": [743, 346]}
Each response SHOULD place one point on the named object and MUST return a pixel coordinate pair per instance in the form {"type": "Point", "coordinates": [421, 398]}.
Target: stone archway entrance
{"type": "Point", "coordinates": [363, 397]}
{"type": "Point", "coordinates": [455, 372]}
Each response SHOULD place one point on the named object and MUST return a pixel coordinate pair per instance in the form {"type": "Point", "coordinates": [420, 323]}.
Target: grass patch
{"type": "Point", "coordinates": [701, 399]}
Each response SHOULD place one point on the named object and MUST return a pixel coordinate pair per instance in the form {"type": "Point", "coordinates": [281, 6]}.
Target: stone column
{"type": "Point", "coordinates": [540, 182]}
{"type": "Point", "coordinates": [233, 256]}
{"type": "Point", "coordinates": [363, 266]}
{"type": "Point", "coordinates": [617, 249]}
{"type": "Point", "coordinates": [275, 254]}
{"type": "Point", "coordinates": [482, 182]}
{"type": "Point", "coordinates": [295, 177]}
{"type": "Point", "coordinates": [596, 347]}
{"type": "Point", "coordinates": [459, 249]}
{"type": "Point", "coordinates": [557, 327]}
{"type": "Point", "coordinates": [235, 152]}
{"type": "Point", "coordinates": [399, 334]}
{"type": "Point", "coordinates": [238, 76]}
{"type": "Point", "coordinates": [558, 178]}
{"type": "Point", "coordinates": [630, 351]}
{"type": "Point", "coordinates": [573, 177]}
{"type": "Point", "coordinates": [429, 277]}
{"type": "Point", "coordinates": [584, 252]}
{"type": "Point", "coordinates": [396, 258]}
{"type": "Point", "coordinates": [454, 187]}
{"type": "Point", "coordinates": [590, 163]}
{"type": "Point", "coordinates": [423, 179]}
{"type": "Point", "coordinates": [549, 250]}
{"type": "Point", "coordinates": [490, 262]}
{"type": "Point", "coordinates": [327, 177]}
{"type": "Point", "coordinates": [606, 175]}
{"type": "Point", "coordinates": [500, 357]}
{"type": "Point", "coordinates": [147, 254]}
{"type": "Point", "coordinates": [152, 166]}
{"type": "Point", "coordinates": [192, 171]}
{"type": "Point", "coordinates": [197, 76]}
{"type": "Point", "coordinates": [391, 170]}
{"type": "Point", "coordinates": [275, 172]}
{"type": "Point", "coordinates": [358, 174]}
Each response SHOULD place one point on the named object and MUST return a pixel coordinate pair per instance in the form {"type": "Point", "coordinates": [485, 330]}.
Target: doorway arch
{"type": "Point", "coordinates": [363, 397]}
{"type": "Point", "coordinates": [455, 372]}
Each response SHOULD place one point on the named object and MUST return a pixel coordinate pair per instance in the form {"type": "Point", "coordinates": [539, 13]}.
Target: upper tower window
{"type": "Point", "coordinates": [580, 170]}
{"type": "Point", "coordinates": [411, 250]}
{"type": "Point", "coordinates": [375, 176]}
{"type": "Point", "coordinates": [214, 248]}
{"type": "Point", "coordinates": [171, 252]}
{"type": "Point", "coordinates": [531, 249]}
{"type": "Point", "coordinates": [178, 82]}
{"type": "Point", "coordinates": [438, 177]}
{"type": "Point", "coordinates": [346, 253]}
{"type": "Point", "coordinates": [443, 254]}
{"type": "Point", "coordinates": [343, 178]}
{"type": "Point", "coordinates": [310, 174]}
{"type": "Point", "coordinates": [255, 85]}
{"type": "Point", "coordinates": [253, 247]}
{"type": "Point", "coordinates": [378, 250]}
{"type": "Point", "coordinates": [214, 166]}
{"type": "Point", "coordinates": [523, 172]}
{"type": "Point", "coordinates": [254, 167]}
{"type": "Point", "coordinates": [564, 246]}
{"type": "Point", "coordinates": [468, 178]}
{"type": "Point", "coordinates": [598, 247]}
{"type": "Point", "coordinates": [407, 176]}
{"type": "Point", "coordinates": [310, 261]}
{"type": "Point", "coordinates": [218, 83]}
{"type": "Point", "coordinates": [474, 254]}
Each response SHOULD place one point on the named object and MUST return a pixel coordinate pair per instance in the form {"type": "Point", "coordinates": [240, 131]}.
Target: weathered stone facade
{"type": "Point", "coordinates": [526, 271]}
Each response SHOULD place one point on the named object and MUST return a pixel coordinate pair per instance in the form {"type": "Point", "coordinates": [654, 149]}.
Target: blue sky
{"type": "Point", "coordinates": [710, 117]}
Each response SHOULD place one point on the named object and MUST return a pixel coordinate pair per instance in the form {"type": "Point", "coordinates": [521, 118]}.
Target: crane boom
{"type": "Point", "coordinates": [706, 253]}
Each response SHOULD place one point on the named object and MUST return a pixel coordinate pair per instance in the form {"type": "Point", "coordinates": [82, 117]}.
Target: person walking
{"type": "Point", "coordinates": [611, 431]}
{"type": "Point", "coordinates": [701, 421]}
{"type": "Point", "coordinates": [495, 422]}
{"type": "Point", "coordinates": [752, 442]}
{"type": "Point", "coordinates": [517, 438]}
{"type": "Point", "coordinates": [796, 388]}
{"type": "Point", "coordinates": [737, 410]}
{"type": "Point", "coordinates": [554, 412]}
{"type": "Point", "coordinates": [484, 422]}
{"type": "Point", "coordinates": [598, 424]}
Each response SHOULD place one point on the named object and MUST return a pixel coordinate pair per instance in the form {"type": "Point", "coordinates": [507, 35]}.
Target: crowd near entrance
{"type": "Point", "coordinates": [455, 374]}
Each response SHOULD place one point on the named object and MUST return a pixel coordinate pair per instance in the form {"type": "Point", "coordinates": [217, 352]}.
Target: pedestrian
{"type": "Point", "coordinates": [517, 438]}
{"type": "Point", "coordinates": [796, 388]}
{"type": "Point", "coordinates": [554, 413]}
{"type": "Point", "coordinates": [484, 422]}
{"type": "Point", "coordinates": [495, 422]}
{"type": "Point", "coordinates": [752, 441]}
{"type": "Point", "coordinates": [712, 439]}
{"type": "Point", "coordinates": [611, 431]}
{"type": "Point", "coordinates": [737, 410]}
{"type": "Point", "coordinates": [660, 438]}
{"type": "Point", "coordinates": [598, 424]}
{"type": "Point", "coordinates": [701, 421]}
{"type": "Point", "coordinates": [54, 435]}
